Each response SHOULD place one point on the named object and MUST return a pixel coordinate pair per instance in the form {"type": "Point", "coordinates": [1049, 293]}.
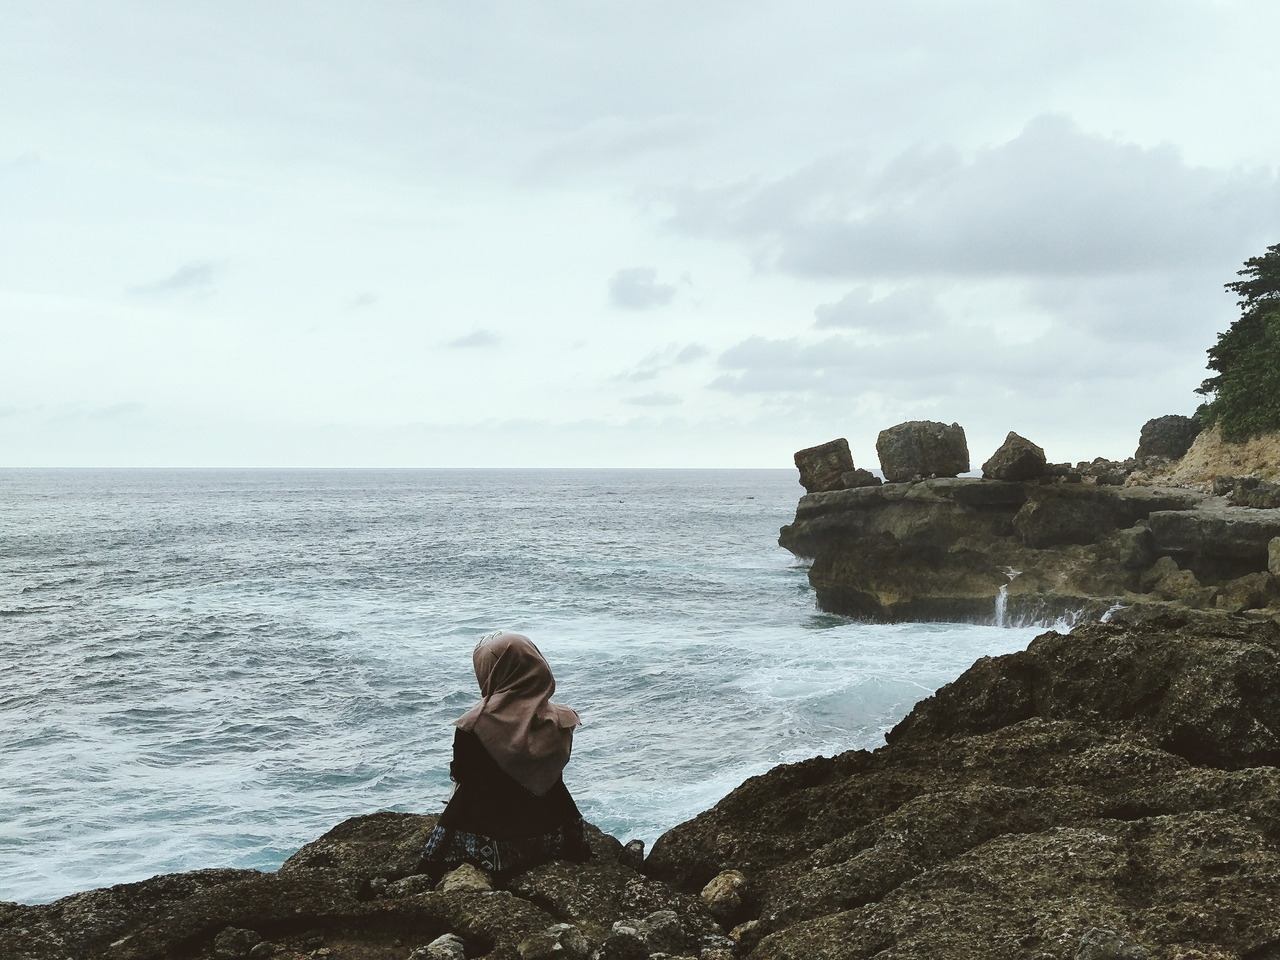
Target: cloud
{"type": "Point", "coordinates": [480, 339]}
{"type": "Point", "coordinates": [958, 360]}
{"type": "Point", "coordinates": [196, 278]}
{"type": "Point", "coordinates": [365, 299]}
{"type": "Point", "coordinates": [637, 288]}
{"type": "Point", "coordinates": [1053, 201]}
{"type": "Point", "coordinates": [608, 142]}
{"type": "Point", "coordinates": [655, 400]}
{"type": "Point", "coordinates": [659, 361]}
{"type": "Point", "coordinates": [81, 411]}
{"type": "Point", "coordinates": [905, 310]}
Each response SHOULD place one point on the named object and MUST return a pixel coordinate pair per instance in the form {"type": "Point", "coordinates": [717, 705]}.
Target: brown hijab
{"type": "Point", "coordinates": [527, 735]}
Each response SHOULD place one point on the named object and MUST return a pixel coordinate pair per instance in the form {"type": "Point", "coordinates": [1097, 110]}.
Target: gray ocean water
{"type": "Point", "coordinates": [211, 668]}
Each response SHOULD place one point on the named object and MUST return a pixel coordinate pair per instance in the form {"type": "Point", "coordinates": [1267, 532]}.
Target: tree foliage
{"type": "Point", "coordinates": [1246, 391]}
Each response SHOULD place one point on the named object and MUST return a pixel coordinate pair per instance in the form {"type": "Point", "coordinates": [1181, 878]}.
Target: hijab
{"type": "Point", "coordinates": [527, 735]}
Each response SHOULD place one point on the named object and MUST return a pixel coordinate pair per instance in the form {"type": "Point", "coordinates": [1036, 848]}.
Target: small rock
{"type": "Point", "coordinates": [1250, 592]}
{"type": "Point", "coordinates": [263, 949]}
{"type": "Point", "coordinates": [560, 942]}
{"type": "Point", "coordinates": [632, 854]}
{"type": "Point", "coordinates": [378, 886]}
{"type": "Point", "coordinates": [311, 940]}
{"type": "Point", "coordinates": [234, 943]}
{"type": "Point", "coordinates": [1254, 492]}
{"type": "Point", "coordinates": [859, 478]}
{"type": "Point", "coordinates": [1163, 567]}
{"type": "Point", "coordinates": [447, 947]}
{"type": "Point", "coordinates": [823, 467]}
{"type": "Point", "coordinates": [1224, 486]}
{"type": "Point", "coordinates": [725, 896]}
{"type": "Point", "coordinates": [631, 927]}
{"type": "Point", "coordinates": [1102, 944]}
{"type": "Point", "coordinates": [748, 935]}
{"type": "Point", "coordinates": [716, 948]}
{"type": "Point", "coordinates": [662, 931]}
{"type": "Point", "coordinates": [621, 946]}
{"type": "Point", "coordinates": [412, 886]}
{"type": "Point", "coordinates": [1183, 587]}
{"type": "Point", "coordinates": [1017, 459]}
{"type": "Point", "coordinates": [1133, 547]}
{"type": "Point", "coordinates": [465, 877]}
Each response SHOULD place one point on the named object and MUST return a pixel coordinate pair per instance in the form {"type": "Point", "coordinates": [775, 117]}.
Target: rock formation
{"type": "Point", "coordinates": [1108, 794]}
{"type": "Point", "coordinates": [356, 894]}
{"type": "Point", "coordinates": [1169, 437]}
{"type": "Point", "coordinates": [1046, 540]}
{"type": "Point", "coordinates": [829, 466]}
{"type": "Point", "coordinates": [1016, 459]}
{"type": "Point", "coordinates": [1113, 792]}
{"type": "Point", "coordinates": [922, 448]}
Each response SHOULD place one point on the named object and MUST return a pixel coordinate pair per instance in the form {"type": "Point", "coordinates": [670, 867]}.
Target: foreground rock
{"type": "Point", "coordinates": [1111, 793]}
{"type": "Point", "coordinates": [356, 894]}
{"type": "Point", "coordinates": [1108, 793]}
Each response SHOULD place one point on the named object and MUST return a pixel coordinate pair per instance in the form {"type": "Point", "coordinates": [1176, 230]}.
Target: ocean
{"type": "Point", "coordinates": [209, 668]}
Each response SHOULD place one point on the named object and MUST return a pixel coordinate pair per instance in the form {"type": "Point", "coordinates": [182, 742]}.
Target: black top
{"type": "Point", "coordinates": [490, 802]}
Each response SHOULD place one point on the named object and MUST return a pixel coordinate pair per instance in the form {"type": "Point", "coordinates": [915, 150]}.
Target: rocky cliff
{"type": "Point", "coordinates": [1111, 793]}
{"type": "Point", "coordinates": [1031, 541]}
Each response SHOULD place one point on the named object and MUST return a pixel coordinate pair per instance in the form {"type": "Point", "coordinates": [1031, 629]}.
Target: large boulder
{"type": "Point", "coordinates": [1017, 459]}
{"type": "Point", "coordinates": [922, 448]}
{"type": "Point", "coordinates": [1170, 437]}
{"type": "Point", "coordinates": [823, 467]}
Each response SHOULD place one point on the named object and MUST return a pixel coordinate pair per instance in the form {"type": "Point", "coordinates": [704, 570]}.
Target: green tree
{"type": "Point", "coordinates": [1246, 391]}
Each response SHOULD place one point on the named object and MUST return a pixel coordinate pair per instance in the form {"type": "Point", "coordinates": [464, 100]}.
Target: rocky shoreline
{"type": "Point", "coordinates": [1108, 793]}
{"type": "Point", "coordinates": [1111, 793]}
{"type": "Point", "coordinates": [1029, 541]}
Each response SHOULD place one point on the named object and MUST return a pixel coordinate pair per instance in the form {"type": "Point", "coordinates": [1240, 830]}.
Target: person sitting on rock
{"type": "Point", "coordinates": [510, 809]}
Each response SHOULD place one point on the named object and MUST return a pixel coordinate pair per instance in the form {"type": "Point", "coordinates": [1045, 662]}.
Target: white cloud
{"type": "Point", "coordinates": [197, 278]}
{"type": "Point", "coordinates": [654, 400]}
{"type": "Point", "coordinates": [666, 358]}
{"type": "Point", "coordinates": [976, 211]}
{"type": "Point", "coordinates": [1052, 201]}
{"type": "Point", "coordinates": [903, 310]}
{"type": "Point", "coordinates": [637, 288]}
{"type": "Point", "coordinates": [479, 339]}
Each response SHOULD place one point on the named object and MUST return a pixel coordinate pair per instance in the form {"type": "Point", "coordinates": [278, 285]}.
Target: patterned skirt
{"type": "Point", "coordinates": [505, 857]}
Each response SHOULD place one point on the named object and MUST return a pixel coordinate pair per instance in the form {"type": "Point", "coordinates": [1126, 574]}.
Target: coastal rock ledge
{"type": "Point", "coordinates": [985, 550]}
{"type": "Point", "coordinates": [1110, 793]}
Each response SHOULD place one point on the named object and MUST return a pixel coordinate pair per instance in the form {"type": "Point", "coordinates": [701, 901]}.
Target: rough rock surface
{"type": "Point", "coordinates": [947, 548]}
{"type": "Point", "coordinates": [922, 448]}
{"type": "Point", "coordinates": [824, 467]}
{"type": "Point", "coordinates": [1169, 437]}
{"type": "Point", "coordinates": [1211, 457]}
{"type": "Point", "coordinates": [1016, 459]}
{"type": "Point", "coordinates": [1113, 792]}
{"type": "Point", "coordinates": [1108, 790]}
{"type": "Point", "coordinates": [1034, 542]}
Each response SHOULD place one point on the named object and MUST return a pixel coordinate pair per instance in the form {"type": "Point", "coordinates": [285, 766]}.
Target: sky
{"type": "Point", "coordinates": [617, 234]}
